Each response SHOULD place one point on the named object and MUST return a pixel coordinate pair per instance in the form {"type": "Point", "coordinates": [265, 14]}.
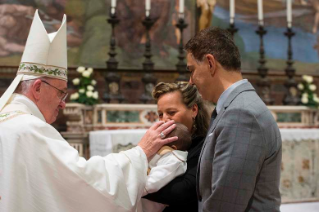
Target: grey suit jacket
{"type": "Point", "coordinates": [240, 162]}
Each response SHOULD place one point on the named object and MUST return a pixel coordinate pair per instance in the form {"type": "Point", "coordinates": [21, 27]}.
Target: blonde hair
{"type": "Point", "coordinates": [190, 97]}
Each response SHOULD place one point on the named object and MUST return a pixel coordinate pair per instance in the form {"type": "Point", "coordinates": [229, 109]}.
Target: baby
{"type": "Point", "coordinates": [168, 163]}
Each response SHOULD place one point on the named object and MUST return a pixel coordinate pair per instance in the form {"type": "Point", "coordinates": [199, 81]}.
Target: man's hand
{"type": "Point", "coordinates": [152, 141]}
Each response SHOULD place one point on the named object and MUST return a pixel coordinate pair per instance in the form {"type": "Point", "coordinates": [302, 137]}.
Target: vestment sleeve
{"type": "Point", "coordinates": [119, 178]}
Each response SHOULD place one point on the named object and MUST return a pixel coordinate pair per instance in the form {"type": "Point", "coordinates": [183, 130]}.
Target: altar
{"type": "Point", "coordinates": [299, 170]}
{"type": "Point", "coordinates": [105, 142]}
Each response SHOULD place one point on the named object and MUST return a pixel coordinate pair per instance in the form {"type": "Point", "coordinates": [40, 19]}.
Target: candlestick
{"type": "Point", "coordinates": [264, 82]}
{"type": "Point", "coordinates": [148, 79]}
{"type": "Point", "coordinates": [112, 78]}
{"type": "Point", "coordinates": [148, 64]}
{"type": "Point", "coordinates": [181, 6]}
{"type": "Point", "coordinates": [181, 65]}
{"type": "Point", "coordinates": [112, 62]}
{"type": "Point", "coordinates": [289, 13]}
{"type": "Point", "coordinates": [260, 12]}
{"type": "Point", "coordinates": [291, 96]}
{"type": "Point", "coordinates": [232, 11]}
{"type": "Point", "coordinates": [232, 29]}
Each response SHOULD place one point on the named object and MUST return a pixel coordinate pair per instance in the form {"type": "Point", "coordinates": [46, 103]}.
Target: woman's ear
{"type": "Point", "coordinates": [194, 110]}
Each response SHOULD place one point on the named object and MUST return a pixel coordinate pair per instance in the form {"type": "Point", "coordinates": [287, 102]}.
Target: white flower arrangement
{"type": "Point", "coordinates": [85, 84]}
{"type": "Point", "coordinates": [308, 94]}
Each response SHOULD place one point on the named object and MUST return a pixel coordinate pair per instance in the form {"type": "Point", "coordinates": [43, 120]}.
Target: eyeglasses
{"type": "Point", "coordinates": [62, 95]}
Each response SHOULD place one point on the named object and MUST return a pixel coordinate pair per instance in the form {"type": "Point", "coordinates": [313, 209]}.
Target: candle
{"type": "Point", "coordinates": [181, 6]}
{"type": "Point", "coordinates": [232, 11]}
{"type": "Point", "coordinates": [260, 12]}
{"type": "Point", "coordinates": [113, 5]}
{"type": "Point", "coordinates": [147, 7]}
{"type": "Point", "coordinates": [289, 13]}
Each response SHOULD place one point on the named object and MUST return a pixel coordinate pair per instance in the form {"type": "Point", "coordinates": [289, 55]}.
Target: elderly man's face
{"type": "Point", "coordinates": [51, 98]}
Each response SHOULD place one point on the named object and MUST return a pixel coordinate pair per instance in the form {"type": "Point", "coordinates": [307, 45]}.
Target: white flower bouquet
{"type": "Point", "coordinates": [308, 92]}
{"type": "Point", "coordinates": [85, 84]}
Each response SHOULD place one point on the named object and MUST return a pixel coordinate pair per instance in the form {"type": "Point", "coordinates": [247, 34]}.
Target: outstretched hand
{"type": "Point", "coordinates": [152, 141]}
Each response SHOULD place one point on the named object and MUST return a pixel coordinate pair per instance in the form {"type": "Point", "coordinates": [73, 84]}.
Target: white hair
{"type": "Point", "coordinates": [25, 85]}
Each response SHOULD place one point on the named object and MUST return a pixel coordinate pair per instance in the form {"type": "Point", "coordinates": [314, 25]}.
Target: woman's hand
{"type": "Point", "coordinates": [154, 138]}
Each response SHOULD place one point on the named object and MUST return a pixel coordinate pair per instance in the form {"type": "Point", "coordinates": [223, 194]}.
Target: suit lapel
{"type": "Point", "coordinates": [242, 88]}
{"type": "Point", "coordinates": [211, 129]}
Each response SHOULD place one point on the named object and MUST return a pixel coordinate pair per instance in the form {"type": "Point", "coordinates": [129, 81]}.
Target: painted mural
{"type": "Point", "coordinates": [305, 43]}
{"type": "Point", "coordinates": [89, 33]}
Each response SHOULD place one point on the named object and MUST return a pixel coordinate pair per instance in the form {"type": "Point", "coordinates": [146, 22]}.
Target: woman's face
{"type": "Point", "coordinates": [171, 107]}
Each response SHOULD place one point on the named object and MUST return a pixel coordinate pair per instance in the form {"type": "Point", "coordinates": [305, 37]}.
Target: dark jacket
{"type": "Point", "coordinates": [180, 193]}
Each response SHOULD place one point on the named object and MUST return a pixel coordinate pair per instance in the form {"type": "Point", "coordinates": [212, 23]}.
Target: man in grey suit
{"type": "Point", "coordinates": [239, 166]}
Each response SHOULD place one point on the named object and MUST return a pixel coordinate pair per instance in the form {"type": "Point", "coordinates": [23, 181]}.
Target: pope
{"type": "Point", "coordinates": [39, 170]}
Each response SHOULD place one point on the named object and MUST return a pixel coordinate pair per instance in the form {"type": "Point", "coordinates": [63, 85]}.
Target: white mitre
{"type": "Point", "coordinates": [45, 55]}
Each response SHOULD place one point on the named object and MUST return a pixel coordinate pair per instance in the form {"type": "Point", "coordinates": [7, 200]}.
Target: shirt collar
{"type": "Point", "coordinates": [226, 93]}
{"type": "Point", "coordinates": [22, 100]}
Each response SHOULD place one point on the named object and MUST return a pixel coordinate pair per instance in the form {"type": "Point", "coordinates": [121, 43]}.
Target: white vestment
{"type": "Point", "coordinates": [41, 172]}
{"type": "Point", "coordinates": [164, 168]}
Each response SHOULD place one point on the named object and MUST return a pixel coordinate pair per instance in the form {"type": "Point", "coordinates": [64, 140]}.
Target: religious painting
{"type": "Point", "coordinates": [89, 32]}
{"type": "Point", "coordinates": [305, 42]}
{"type": "Point", "coordinates": [16, 17]}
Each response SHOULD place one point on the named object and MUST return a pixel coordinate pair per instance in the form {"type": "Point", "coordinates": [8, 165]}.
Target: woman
{"type": "Point", "coordinates": [182, 103]}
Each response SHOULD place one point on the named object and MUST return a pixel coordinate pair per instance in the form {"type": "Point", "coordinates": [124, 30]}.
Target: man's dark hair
{"type": "Point", "coordinates": [184, 137]}
{"type": "Point", "coordinates": [217, 42]}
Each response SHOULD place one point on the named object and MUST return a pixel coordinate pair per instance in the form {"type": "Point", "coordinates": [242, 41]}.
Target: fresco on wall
{"type": "Point", "coordinates": [16, 18]}
{"type": "Point", "coordinates": [305, 24]}
{"type": "Point", "coordinates": [89, 33]}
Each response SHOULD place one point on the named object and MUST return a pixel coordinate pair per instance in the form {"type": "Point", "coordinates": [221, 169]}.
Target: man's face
{"type": "Point", "coordinates": [51, 98]}
{"type": "Point", "coordinates": [200, 76]}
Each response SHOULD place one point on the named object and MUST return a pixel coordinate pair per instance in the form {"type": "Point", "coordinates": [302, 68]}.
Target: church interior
{"type": "Point", "coordinates": [118, 50]}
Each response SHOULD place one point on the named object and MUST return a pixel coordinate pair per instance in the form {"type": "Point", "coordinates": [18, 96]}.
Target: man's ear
{"type": "Point", "coordinates": [211, 62]}
{"type": "Point", "coordinates": [36, 89]}
{"type": "Point", "coordinates": [174, 147]}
